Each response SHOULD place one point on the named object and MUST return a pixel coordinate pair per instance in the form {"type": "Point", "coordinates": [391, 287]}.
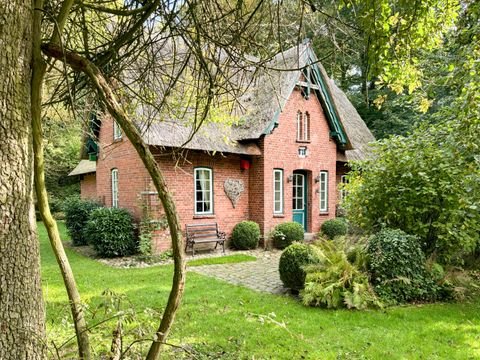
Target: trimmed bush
{"type": "Point", "coordinates": [245, 235]}
{"type": "Point", "coordinates": [111, 232]}
{"type": "Point", "coordinates": [397, 268]}
{"type": "Point", "coordinates": [292, 262]}
{"type": "Point", "coordinates": [77, 213]}
{"type": "Point", "coordinates": [334, 227]}
{"type": "Point", "coordinates": [286, 233]}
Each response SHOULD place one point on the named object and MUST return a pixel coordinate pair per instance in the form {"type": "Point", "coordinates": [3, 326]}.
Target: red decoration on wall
{"type": "Point", "coordinates": [244, 164]}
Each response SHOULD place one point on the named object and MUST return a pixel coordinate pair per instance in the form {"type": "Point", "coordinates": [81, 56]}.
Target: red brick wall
{"type": "Point", "coordinates": [133, 180]}
{"type": "Point", "coordinates": [281, 151]}
{"type": "Point", "coordinates": [256, 203]}
{"type": "Point", "coordinates": [88, 187]}
{"type": "Point", "coordinates": [132, 175]}
{"type": "Point", "coordinates": [257, 189]}
{"type": "Point", "coordinates": [180, 180]}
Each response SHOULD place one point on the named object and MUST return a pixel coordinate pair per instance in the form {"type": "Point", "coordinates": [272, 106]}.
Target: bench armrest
{"type": "Point", "coordinates": [222, 235]}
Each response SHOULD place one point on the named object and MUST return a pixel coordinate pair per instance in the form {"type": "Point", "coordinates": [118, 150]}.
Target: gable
{"type": "Point", "coordinates": [259, 110]}
{"type": "Point", "coordinates": [347, 128]}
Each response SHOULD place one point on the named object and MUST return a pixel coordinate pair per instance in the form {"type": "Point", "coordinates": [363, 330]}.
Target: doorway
{"type": "Point", "coordinates": [299, 198]}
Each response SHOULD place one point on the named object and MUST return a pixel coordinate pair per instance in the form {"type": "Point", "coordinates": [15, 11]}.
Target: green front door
{"type": "Point", "coordinates": [300, 199]}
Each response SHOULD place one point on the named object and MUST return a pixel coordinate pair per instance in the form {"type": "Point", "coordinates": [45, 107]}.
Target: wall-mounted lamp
{"type": "Point", "coordinates": [317, 179]}
{"type": "Point", "coordinates": [289, 178]}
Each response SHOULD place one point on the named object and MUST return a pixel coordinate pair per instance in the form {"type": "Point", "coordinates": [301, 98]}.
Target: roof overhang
{"type": "Point", "coordinates": [336, 129]}
{"type": "Point", "coordinates": [84, 167]}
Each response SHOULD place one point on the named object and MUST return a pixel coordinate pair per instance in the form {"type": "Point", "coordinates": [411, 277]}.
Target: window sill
{"type": "Point", "coordinates": [324, 213]}
{"type": "Point", "coordinates": [118, 140]}
{"type": "Point", "coordinates": [278, 215]}
{"type": "Point", "coordinates": [303, 141]}
{"type": "Point", "coordinates": [206, 216]}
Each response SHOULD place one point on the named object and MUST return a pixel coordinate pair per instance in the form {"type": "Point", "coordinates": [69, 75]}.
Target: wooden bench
{"type": "Point", "coordinates": [204, 233]}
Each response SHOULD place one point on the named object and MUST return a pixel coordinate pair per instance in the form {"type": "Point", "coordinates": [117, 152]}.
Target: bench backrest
{"type": "Point", "coordinates": [202, 230]}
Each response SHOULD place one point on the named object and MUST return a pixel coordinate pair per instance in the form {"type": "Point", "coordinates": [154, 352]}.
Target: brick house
{"type": "Point", "coordinates": [282, 162]}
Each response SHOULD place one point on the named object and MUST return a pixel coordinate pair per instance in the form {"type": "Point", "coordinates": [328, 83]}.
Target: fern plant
{"type": "Point", "coordinates": [335, 281]}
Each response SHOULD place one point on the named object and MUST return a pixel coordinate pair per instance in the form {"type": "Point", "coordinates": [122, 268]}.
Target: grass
{"type": "Point", "coordinates": [229, 259]}
{"type": "Point", "coordinates": [231, 322]}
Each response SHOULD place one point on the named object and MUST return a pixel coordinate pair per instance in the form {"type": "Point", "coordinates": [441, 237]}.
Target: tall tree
{"type": "Point", "coordinates": [22, 323]}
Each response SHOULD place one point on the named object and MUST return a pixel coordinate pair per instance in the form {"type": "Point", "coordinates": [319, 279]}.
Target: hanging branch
{"type": "Point", "coordinates": [98, 81]}
{"type": "Point", "coordinates": [38, 74]}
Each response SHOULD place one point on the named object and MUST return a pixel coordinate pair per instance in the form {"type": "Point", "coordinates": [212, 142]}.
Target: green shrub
{"type": "Point", "coordinates": [425, 184]}
{"type": "Point", "coordinates": [334, 227]}
{"type": "Point", "coordinates": [292, 262]}
{"type": "Point", "coordinates": [336, 282]}
{"type": "Point", "coordinates": [111, 232]}
{"type": "Point", "coordinates": [245, 235]}
{"type": "Point", "coordinates": [77, 212]}
{"type": "Point", "coordinates": [397, 268]}
{"type": "Point", "coordinates": [286, 233]}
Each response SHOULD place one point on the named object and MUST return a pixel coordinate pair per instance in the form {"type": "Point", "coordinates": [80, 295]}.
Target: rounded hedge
{"type": "Point", "coordinates": [111, 232]}
{"type": "Point", "coordinates": [292, 262]}
{"type": "Point", "coordinates": [286, 233]}
{"type": "Point", "coordinates": [334, 227]}
{"type": "Point", "coordinates": [245, 235]}
{"type": "Point", "coordinates": [77, 213]}
{"type": "Point", "coordinates": [397, 267]}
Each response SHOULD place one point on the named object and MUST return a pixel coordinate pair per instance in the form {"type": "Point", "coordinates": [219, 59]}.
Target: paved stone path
{"type": "Point", "coordinates": [260, 275]}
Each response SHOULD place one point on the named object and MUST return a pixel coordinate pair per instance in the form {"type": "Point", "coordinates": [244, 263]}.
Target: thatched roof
{"type": "Point", "coordinates": [84, 167]}
{"type": "Point", "coordinates": [210, 137]}
{"type": "Point", "coordinates": [357, 131]}
{"type": "Point", "coordinates": [261, 105]}
{"type": "Point", "coordinates": [268, 94]}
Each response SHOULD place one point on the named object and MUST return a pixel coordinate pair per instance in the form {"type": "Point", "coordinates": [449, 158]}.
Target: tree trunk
{"type": "Point", "coordinates": [22, 318]}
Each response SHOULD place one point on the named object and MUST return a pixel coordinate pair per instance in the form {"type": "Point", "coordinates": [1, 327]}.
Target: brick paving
{"type": "Point", "coordinates": [260, 275]}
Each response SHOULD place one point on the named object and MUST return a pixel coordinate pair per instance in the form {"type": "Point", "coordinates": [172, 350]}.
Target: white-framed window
{"type": "Point", "coordinates": [115, 188]}
{"type": "Point", "coordinates": [299, 126]}
{"type": "Point", "coordinates": [203, 191]}
{"type": "Point", "coordinates": [343, 192]}
{"type": "Point", "coordinates": [302, 151]}
{"type": "Point", "coordinates": [303, 126]}
{"type": "Point", "coordinates": [117, 131]}
{"type": "Point", "coordinates": [278, 191]}
{"type": "Point", "coordinates": [306, 126]}
{"type": "Point", "coordinates": [323, 191]}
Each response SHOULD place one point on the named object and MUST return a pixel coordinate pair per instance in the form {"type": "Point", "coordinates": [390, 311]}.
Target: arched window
{"type": "Point", "coordinates": [303, 126]}
{"type": "Point", "coordinates": [117, 131]}
{"type": "Point", "coordinates": [306, 126]}
{"type": "Point", "coordinates": [114, 188]}
{"type": "Point", "coordinates": [299, 126]}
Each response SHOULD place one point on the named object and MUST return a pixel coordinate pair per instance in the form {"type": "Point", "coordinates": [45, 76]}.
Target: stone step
{"type": "Point", "coordinates": [309, 236]}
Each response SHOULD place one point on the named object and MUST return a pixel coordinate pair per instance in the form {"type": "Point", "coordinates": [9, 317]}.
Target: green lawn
{"type": "Point", "coordinates": [231, 322]}
{"type": "Point", "coordinates": [229, 259]}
